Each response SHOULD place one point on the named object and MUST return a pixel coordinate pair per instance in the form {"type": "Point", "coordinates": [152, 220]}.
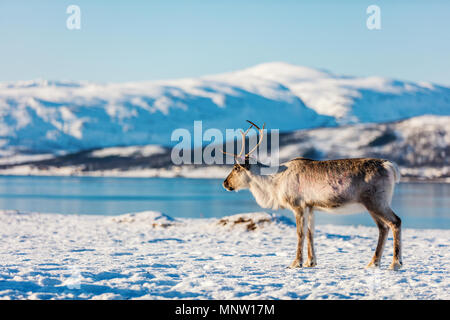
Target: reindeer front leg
{"type": "Point", "coordinates": [311, 262]}
{"type": "Point", "coordinates": [301, 226]}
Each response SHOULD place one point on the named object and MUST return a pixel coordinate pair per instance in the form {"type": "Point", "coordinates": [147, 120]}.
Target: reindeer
{"type": "Point", "coordinates": [304, 185]}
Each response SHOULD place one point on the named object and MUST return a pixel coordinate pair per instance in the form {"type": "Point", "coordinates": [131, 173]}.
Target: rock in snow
{"type": "Point", "coordinates": [252, 221]}
{"type": "Point", "coordinates": [152, 218]}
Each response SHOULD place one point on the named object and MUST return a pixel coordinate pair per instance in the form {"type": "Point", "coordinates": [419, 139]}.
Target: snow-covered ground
{"type": "Point", "coordinates": [151, 256]}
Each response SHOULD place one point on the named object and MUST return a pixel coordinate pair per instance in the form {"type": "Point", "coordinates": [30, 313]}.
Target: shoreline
{"type": "Point", "coordinates": [171, 175]}
{"type": "Point", "coordinates": [286, 218]}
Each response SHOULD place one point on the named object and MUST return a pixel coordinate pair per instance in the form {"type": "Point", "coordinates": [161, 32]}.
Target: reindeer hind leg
{"type": "Point", "coordinates": [395, 223]}
{"type": "Point", "coordinates": [383, 231]}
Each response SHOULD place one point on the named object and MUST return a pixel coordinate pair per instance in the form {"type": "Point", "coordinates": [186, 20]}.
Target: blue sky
{"type": "Point", "coordinates": [148, 40]}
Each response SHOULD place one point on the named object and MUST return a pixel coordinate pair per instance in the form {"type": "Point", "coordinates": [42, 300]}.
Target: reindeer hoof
{"type": "Point", "coordinates": [395, 265]}
{"type": "Point", "coordinates": [295, 264]}
{"type": "Point", "coordinates": [310, 264]}
{"type": "Point", "coordinates": [373, 264]}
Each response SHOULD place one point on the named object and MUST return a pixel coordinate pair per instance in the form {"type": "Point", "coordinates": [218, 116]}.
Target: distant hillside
{"type": "Point", "coordinates": [420, 146]}
{"type": "Point", "coordinates": [51, 117]}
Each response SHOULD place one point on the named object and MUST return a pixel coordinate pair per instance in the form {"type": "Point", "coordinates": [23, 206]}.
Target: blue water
{"type": "Point", "coordinates": [420, 205]}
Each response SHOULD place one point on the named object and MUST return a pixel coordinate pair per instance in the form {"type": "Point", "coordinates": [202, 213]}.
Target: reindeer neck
{"type": "Point", "coordinates": [263, 190]}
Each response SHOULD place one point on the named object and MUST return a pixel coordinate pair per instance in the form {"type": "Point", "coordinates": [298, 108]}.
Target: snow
{"type": "Point", "coordinates": [205, 172]}
{"type": "Point", "coordinates": [144, 151]}
{"type": "Point", "coordinates": [20, 158]}
{"type": "Point", "coordinates": [48, 116]}
{"type": "Point", "coordinates": [53, 256]}
{"type": "Point", "coordinates": [154, 218]}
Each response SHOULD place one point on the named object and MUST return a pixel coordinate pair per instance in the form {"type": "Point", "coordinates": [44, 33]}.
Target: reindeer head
{"type": "Point", "coordinates": [239, 177]}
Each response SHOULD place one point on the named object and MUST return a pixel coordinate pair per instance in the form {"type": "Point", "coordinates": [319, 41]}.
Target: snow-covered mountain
{"type": "Point", "coordinates": [48, 117]}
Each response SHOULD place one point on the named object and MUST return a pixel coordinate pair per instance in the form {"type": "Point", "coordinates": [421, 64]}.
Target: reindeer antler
{"type": "Point", "coordinates": [261, 136]}
{"type": "Point", "coordinates": [243, 144]}
{"type": "Point", "coordinates": [244, 134]}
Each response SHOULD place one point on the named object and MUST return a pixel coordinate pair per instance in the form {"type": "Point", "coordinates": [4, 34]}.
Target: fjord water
{"type": "Point", "coordinates": [420, 205]}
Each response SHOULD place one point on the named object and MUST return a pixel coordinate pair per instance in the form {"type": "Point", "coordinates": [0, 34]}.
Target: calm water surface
{"type": "Point", "coordinates": [420, 205]}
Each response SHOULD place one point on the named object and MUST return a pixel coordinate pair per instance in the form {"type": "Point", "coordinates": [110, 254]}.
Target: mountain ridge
{"type": "Point", "coordinates": [66, 116]}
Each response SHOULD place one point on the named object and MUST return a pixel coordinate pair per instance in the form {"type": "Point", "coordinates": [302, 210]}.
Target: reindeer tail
{"type": "Point", "coordinates": [393, 169]}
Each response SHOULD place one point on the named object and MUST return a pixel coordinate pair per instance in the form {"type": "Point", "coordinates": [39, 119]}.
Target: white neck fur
{"type": "Point", "coordinates": [263, 190]}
